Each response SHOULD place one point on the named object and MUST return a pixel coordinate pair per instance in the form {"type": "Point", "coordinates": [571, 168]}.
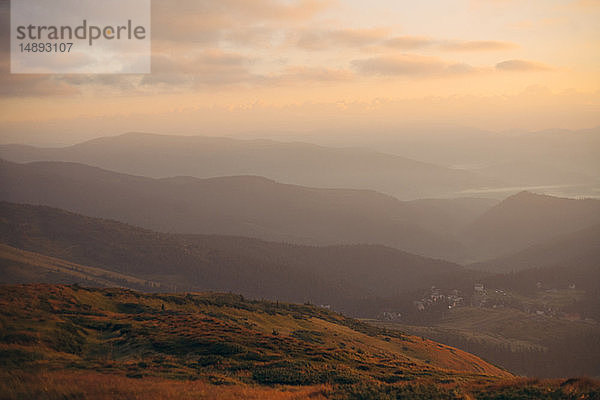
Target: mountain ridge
{"type": "Point", "coordinates": [336, 275]}
{"type": "Point", "coordinates": [298, 163]}
{"type": "Point", "coordinates": [240, 206]}
{"type": "Point", "coordinates": [527, 219]}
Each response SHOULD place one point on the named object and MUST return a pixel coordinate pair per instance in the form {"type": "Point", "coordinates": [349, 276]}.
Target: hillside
{"type": "Point", "coordinates": [527, 219]}
{"type": "Point", "coordinates": [336, 275]}
{"type": "Point", "coordinates": [219, 338]}
{"type": "Point", "coordinates": [579, 250]}
{"type": "Point", "coordinates": [524, 343]}
{"type": "Point", "coordinates": [568, 261]}
{"type": "Point", "coordinates": [118, 344]}
{"type": "Point", "coordinates": [20, 266]}
{"type": "Point", "coordinates": [241, 206]}
{"type": "Point", "coordinates": [449, 216]}
{"type": "Point", "coordinates": [163, 156]}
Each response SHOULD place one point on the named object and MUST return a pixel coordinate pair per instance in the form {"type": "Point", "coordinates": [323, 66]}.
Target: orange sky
{"type": "Point", "coordinates": [234, 66]}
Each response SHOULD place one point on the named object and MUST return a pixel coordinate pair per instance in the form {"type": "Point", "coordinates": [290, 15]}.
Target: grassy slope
{"type": "Point", "coordinates": [20, 266]}
{"type": "Point", "coordinates": [71, 342]}
{"type": "Point", "coordinates": [508, 325]}
{"type": "Point", "coordinates": [220, 338]}
{"type": "Point", "coordinates": [495, 333]}
{"type": "Point", "coordinates": [116, 329]}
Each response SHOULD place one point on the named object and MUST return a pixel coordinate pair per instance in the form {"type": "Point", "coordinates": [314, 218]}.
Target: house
{"type": "Point", "coordinates": [479, 288]}
{"type": "Point", "coordinates": [419, 305]}
{"type": "Point", "coordinates": [455, 301]}
{"type": "Point", "coordinates": [390, 316]}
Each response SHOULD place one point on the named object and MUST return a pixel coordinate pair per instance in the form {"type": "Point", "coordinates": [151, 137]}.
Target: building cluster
{"type": "Point", "coordinates": [436, 297]}
{"type": "Point", "coordinates": [389, 316]}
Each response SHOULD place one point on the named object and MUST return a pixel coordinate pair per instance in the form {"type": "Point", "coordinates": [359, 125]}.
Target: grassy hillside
{"type": "Point", "coordinates": [72, 342]}
{"type": "Point", "coordinates": [20, 266]}
{"type": "Point", "coordinates": [524, 343]}
{"type": "Point", "coordinates": [221, 338]}
{"type": "Point", "coordinates": [336, 275]}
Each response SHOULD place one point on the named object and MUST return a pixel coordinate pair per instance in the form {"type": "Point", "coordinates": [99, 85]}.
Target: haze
{"type": "Point", "coordinates": [328, 67]}
{"type": "Point", "coordinates": [310, 199]}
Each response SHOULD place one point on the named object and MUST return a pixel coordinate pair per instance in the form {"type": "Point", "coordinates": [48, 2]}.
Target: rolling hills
{"type": "Point", "coordinates": [574, 251]}
{"type": "Point", "coordinates": [241, 206]}
{"type": "Point", "coordinates": [527, 219]}
{"type": "Point", "coordinates": [336, 275]}
{"type": "Point", "coordinates": [162, 156]}
{"type": "Point", "coordinates": [460, 230]}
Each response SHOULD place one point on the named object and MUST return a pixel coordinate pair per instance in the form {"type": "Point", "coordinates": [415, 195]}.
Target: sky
{"type": "Point", "coordinates": [231, 67]}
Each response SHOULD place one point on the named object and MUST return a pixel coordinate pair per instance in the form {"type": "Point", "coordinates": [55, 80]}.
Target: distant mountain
{"type": "Point", "coordinates": [569, 261]}
{"type": "Point", "coordinates": [449, 215]}
{"type": "Point", "coordinates": [526, 219]}
{"type": "Point", "coordinates": [162, 156]}
{"type": "Point", "coordinates": [572, 251]}
{"type": "Point", "coordinates": [336, 275]}
{"type": "Point", "coordinates": [565, 162]}
{"type": "Point", "coordinates": [244, 206]}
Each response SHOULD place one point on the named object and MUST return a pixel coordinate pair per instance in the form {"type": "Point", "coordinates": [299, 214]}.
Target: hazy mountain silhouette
{"type": "Point", "coordinates": [577, 250]}
{"type": "Point", "coordinates": [565, 160]}
{"type": "Point", "coordinates": [332, 274]}
{"type": "Point", "coordinates": [243, 205]}
{"type": "Point", "coordinates": [526, 219]}
{"type": "Point", "coordinates": [568, 262]}
{"type": "Point", "coordinates": [163, 156]}
{"type": "Point", "coordinates": [449, 215]}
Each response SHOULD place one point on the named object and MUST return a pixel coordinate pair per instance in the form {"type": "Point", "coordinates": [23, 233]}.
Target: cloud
{"type": "Point", "coordinates": [409, 64]}
{"type": "Point", "coordinates": [521, 66]}
{"type": "Point", "coordinates": [477, 45]}
{"type": "Point", "coordinates": [418, 42]}
{"type": "Point", "coordinates": [325, 40]}
{"type": "Point", "coordinates": [300, 74]}
{"type": "Point", "coordinates": [29, 85]}
{"type": "Point", "coordinates": [212, 66]}
{"type": "Point", "coordinates": [409, 42]}
{"type": "Point", "coordinates": [207, 21]}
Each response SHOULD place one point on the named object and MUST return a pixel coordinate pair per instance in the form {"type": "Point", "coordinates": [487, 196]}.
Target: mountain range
{"type": "Point", "coordinates": [162, 156]}
{"type": "Point", "coordinates": [337, 275]}
{"type": "Point", "coordinates": [243, 206]}
{"type": "Point", "coordinates": [459, 230]}
{"type": "Point", "coordinates": [527, 219]}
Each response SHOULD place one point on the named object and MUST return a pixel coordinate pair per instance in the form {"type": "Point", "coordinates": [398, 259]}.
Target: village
{"type": "Point", "coordinates": [549, 302]}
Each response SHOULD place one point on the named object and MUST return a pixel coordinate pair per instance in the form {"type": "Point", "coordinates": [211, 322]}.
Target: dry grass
{"type": "Point", "coordinates": [95, 386]}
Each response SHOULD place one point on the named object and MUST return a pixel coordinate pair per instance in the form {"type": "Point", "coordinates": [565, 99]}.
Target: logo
{"type": "Point", "coordinates": [80, 36]}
